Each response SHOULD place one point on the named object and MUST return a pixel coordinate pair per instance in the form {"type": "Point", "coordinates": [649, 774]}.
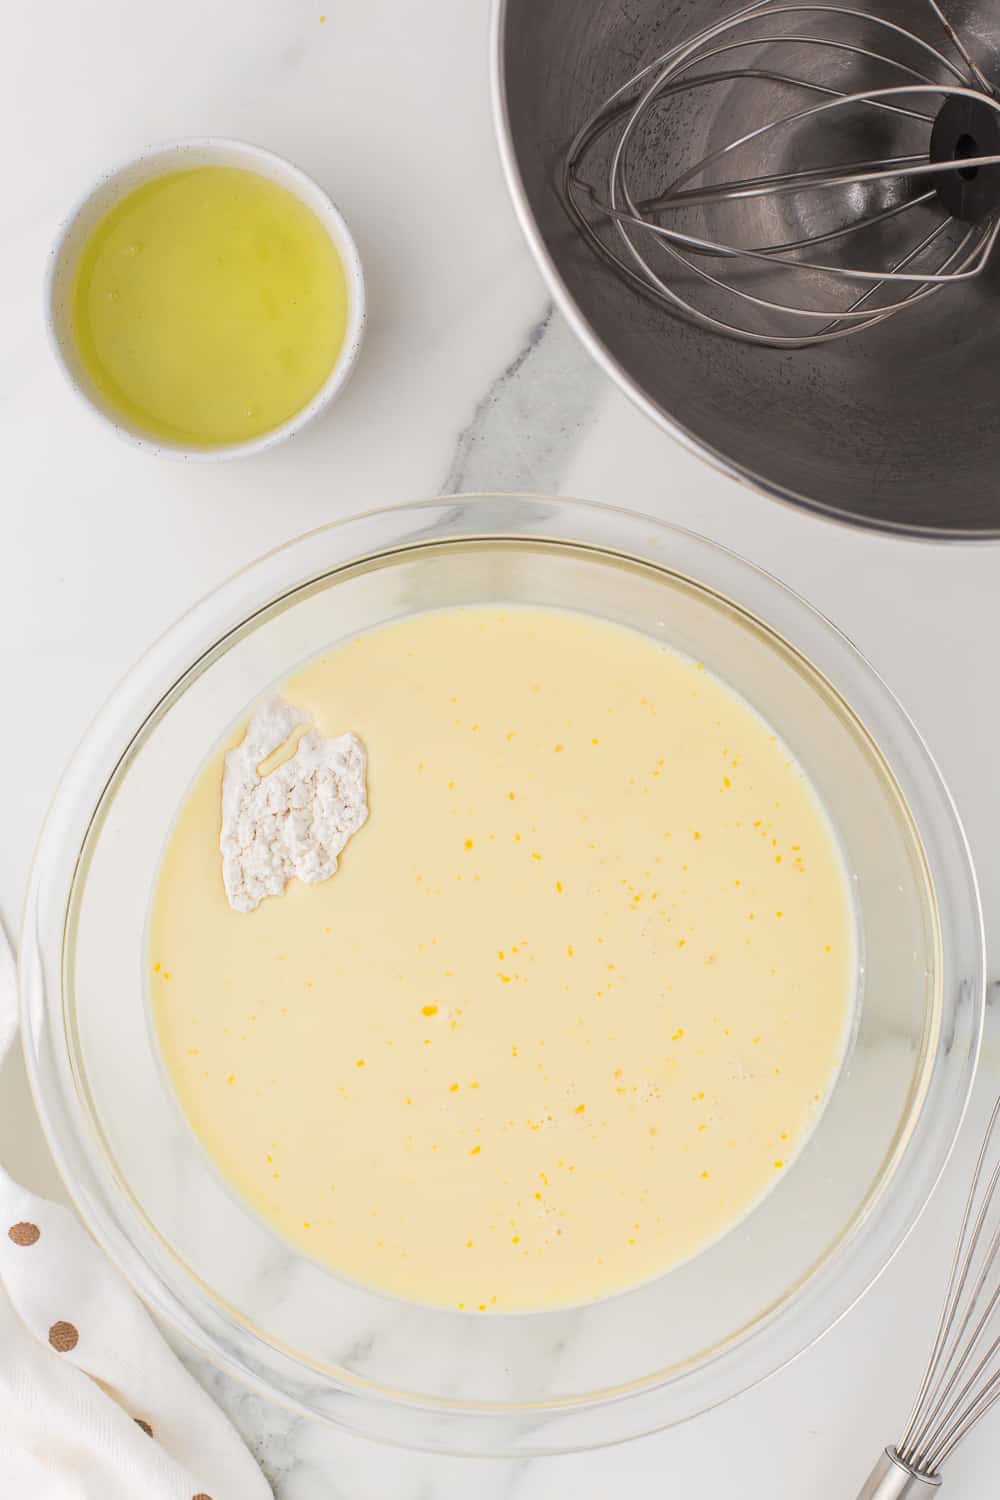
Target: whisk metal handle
{"type": "Point", "coordinates": [891, 1479]}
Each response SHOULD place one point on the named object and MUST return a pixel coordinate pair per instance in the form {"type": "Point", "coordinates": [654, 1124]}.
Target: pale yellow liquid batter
{"type": "Point", "coordinates": [570, 1003]}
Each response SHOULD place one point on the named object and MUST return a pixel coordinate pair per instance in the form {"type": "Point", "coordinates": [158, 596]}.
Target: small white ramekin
{"type": "Point", "coordinates": [207, 151]}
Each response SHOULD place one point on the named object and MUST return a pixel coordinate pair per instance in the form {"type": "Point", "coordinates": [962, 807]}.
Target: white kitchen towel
{"type": "Point", "coordinates": [94, 1405]}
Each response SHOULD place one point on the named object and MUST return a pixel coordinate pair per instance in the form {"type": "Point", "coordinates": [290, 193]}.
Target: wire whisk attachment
{"type": "Point", "coordinates": [962, 1380]}
{"type": "Point", "coordinates": [795, 173]}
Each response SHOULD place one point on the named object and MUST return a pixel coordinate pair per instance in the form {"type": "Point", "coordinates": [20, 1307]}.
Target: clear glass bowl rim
{"type": "Point", "coordinates": [797, 1323]}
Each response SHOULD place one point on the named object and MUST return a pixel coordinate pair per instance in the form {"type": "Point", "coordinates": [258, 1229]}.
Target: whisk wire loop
{"type": "Point", "coordinates": [962, 1379]}
{"type": "Point", "coordinates": [655, 234]}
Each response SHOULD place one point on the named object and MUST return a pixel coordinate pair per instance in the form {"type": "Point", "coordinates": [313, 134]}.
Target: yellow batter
{"type": "Point", "coordinates": [573, 997]}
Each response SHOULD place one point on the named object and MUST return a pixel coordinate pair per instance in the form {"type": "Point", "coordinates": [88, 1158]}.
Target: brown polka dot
{"type": "Point", "coordinates": [63, 1337]}
{"type": "Point", "coordinates": [144, 1425]}
{"type": "Point", "coordinates": [24, 1234]}
{"type": "Point", "coordinates": [201, 1496]}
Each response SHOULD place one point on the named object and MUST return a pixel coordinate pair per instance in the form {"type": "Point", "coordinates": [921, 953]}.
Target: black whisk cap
{"type": "Point", "coordinates": [967, 127]}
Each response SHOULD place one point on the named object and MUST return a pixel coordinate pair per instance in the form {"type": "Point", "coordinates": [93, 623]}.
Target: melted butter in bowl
{"type": "Point", "coordinates": [209, 305]}
{"type": "Point", "coordinates": [206, 299]}
{"type": "Point", "coordinates": [573, 998]}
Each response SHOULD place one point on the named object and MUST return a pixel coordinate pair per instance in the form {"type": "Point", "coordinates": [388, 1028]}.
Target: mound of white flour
{"type": "Point", "coordinates": [297, 818]}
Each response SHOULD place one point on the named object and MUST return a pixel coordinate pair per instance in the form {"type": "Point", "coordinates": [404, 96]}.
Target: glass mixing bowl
{"type": "Point", "coordinates": [502, 1383]}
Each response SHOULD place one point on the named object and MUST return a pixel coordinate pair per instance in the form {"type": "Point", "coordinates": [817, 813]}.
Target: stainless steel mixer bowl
{"type": "Point", "coordinates": [897, 428]}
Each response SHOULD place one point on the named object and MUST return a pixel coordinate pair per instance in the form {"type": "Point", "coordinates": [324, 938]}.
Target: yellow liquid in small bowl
{"type": "Point", "coordinates": [209, 306]}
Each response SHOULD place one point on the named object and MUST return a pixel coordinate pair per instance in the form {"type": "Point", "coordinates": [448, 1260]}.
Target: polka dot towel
{"type": "Point", "coordinates": [93, 1401]}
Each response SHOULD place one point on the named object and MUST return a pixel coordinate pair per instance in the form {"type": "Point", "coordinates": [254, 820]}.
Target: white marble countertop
{"type": "Point", "coordinates": [467, 381]}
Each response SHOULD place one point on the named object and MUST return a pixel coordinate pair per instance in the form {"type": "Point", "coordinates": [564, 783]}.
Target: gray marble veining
{"type": "Point", "coordinates": [525, 427]}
